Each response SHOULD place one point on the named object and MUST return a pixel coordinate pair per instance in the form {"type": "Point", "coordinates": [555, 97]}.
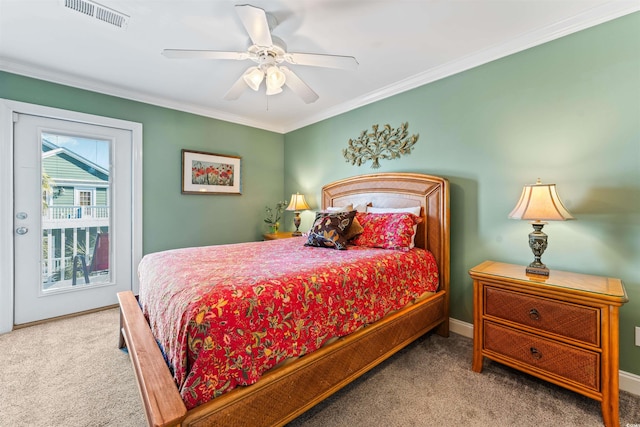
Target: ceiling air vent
{"type": "Point", "coordinates": [98, 11]}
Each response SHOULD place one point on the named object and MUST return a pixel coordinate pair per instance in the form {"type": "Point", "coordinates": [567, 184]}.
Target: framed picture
{"type": "Point", "coordinates": [208, 173]}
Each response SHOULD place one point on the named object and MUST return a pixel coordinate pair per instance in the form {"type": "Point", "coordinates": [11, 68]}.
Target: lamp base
{"type": "Point", "coordinates": [540, 271]}
{"type": "Point", "coordinates": [296, 222]}
{"type": "Point", "coordinates": [537, 243]}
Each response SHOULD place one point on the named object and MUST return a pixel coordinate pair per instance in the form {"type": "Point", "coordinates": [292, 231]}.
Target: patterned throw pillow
{"type": "Point", "coordinates": [328, 230]}
{"type": "Point", "coordinates": [410, 209]}
{"type": "Point", "coordinates": [355, 228]}
{"type": "Point", "coordinates": [386, 230]}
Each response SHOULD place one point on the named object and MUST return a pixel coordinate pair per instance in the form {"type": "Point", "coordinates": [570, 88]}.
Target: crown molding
{"type": "Point", "coordinates": [80, 82]}
{"type": "Point", "coordinates": [590, 18]}
{"type": "Point", "coordinates": [587, 19]}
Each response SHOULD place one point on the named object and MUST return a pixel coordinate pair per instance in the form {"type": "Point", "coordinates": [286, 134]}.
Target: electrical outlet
{"type": "Point", "coordinates": [638, 336]}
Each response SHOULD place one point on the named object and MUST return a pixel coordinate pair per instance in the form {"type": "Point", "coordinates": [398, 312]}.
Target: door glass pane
{"type": "Point", "coordinates": [75, 212]}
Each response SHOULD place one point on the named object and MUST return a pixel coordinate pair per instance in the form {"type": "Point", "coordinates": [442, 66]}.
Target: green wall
{"type": "Point", "coordinates": [171, 219]}
{"type": "Point", "coordinates": [567, 112]}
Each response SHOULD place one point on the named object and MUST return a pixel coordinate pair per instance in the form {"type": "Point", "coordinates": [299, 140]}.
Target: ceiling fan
{"type": "Point", "coordinates": [268, 52]}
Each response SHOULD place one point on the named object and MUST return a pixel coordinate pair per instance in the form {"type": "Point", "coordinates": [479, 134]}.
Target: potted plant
{"type": "Point", "coordinates": [272, 216]}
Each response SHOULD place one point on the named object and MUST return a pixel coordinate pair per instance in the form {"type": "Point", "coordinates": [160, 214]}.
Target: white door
{"type": "Point", "coordinates": [72, 216]}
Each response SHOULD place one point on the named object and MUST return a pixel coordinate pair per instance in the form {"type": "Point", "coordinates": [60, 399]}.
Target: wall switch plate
{"type": "Point", "coordinates": [638, 336]}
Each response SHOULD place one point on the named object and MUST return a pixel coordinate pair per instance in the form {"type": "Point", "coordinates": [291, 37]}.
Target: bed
{"type": "Point", "coordinates": [288, 389]}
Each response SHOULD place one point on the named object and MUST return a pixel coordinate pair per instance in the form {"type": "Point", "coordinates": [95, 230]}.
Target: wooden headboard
{"type": "Point", "coordinates": [400, 190]}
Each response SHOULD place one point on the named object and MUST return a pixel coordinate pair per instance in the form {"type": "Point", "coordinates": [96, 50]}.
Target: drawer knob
{"type": "Point", "coordinates": [533, 314]}
{"type": "Point", "coordinates": [535, 353]}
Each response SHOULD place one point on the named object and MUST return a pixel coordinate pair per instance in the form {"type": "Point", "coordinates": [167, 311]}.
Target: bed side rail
{"type": "Point", "coordinates": [163, 404]}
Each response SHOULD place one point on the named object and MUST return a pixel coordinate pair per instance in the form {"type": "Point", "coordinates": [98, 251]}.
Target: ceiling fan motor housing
{"type": "Point", "coordinates": [268, 55]}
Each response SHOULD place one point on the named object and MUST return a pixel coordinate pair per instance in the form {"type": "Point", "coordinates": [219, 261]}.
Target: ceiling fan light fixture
{"type": "Point", "coordinates": [273, 90]}
{"type": "Point", "coordinates": [275, 77]}
{"type": "Point", "coordinates": [268, 52]}
{"type": "Point", "coordinates": [253, 77]}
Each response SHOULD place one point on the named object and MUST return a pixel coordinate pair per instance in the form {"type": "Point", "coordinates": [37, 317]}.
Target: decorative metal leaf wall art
{"type": "Point", "coordinates": [385, 143]}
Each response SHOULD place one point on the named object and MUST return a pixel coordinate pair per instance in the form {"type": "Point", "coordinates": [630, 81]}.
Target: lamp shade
{"type": "Point", "coordinates": [253, 77]}
{"type": "Point", "coordinates": [297, 203]}
{"type": "Point", "coordinates": [272, 90]}
{"type": "Point", "coordinates": [540, 202]}
{"type": "Point", "coordinates": [275, 80]}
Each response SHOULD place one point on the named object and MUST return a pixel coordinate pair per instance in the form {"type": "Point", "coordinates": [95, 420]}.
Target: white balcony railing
{"type": "Point", "coordinates": [84, 222]}
{"type": "Point", "coordinates": [75, 216]}
{"type": "Point", "coordinates": [53, 269]}
{"type": "Point", "coordinates": [75, 212]}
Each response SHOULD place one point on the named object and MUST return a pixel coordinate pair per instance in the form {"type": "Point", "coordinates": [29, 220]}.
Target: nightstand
{"type": "Point", "coordinates": [278, 235]}
{"type": "Point", "coordinates": [562, 328]}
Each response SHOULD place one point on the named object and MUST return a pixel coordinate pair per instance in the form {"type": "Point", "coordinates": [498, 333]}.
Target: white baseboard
{"type": "Point", "coordinates": [461, 328]}
{"type": "Point", "coordinates": [628, 382]}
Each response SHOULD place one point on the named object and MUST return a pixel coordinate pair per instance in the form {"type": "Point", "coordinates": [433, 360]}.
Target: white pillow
{"type": "Point", "coordinates": [347, 208]}
{"type": "Point", "coordinates": [412, 209]}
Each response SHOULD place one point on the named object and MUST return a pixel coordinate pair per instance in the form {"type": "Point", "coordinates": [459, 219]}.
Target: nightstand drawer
{"type": "Point", "coordinates": [568, 362]}
{"type": "Point", "coordinates": [564, 319]}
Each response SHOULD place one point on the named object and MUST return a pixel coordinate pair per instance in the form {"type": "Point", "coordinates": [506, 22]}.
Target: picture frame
{"type": "Point", "coordinates": [210, 173]}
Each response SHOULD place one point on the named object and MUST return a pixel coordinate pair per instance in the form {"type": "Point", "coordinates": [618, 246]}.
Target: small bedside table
{"type": "Point", "coordinates": [562, 328]}
{"type": "Point", "coordinates": [278, 235]}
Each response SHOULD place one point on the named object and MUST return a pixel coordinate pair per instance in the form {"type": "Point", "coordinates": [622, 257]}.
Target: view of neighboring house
{"type": "Point", "coordinates": [75, 210]}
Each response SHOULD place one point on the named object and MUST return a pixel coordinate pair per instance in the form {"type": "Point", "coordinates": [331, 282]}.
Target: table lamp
{"type": "Point", "coordinates": [539, 202]}
{"type": "Point", "coordinates": [297, 204]}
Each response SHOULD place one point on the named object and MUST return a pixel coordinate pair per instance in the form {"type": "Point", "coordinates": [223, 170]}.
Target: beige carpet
{"type": "Point", "coordinates": [70, 373]}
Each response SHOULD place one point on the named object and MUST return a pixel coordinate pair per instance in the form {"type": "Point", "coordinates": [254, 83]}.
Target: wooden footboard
{"type": "Point", "coordinates": [284, 393]}
{"type": "Point", "coordinates": [163, 404]}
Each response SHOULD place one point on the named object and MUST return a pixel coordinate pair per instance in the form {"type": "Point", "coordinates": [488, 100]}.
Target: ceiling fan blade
{"type": "Point", "coordinates": [236, 90]}
{"type": "Point", "coordinates": [320, 60]}
{"type": "Point", "coordinates": [203, 54]}
{"type": "Point", "coordinates": [255, 22]}
{"type": "Point", "coordinates": [299, 87]}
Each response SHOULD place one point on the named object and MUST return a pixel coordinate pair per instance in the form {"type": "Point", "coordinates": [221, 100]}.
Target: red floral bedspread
{"type": "Point", "coordinates": [225, 314]}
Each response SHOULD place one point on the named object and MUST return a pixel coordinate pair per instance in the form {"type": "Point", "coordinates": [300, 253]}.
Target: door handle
{"type": "Point", "coordinates": [22, 230]}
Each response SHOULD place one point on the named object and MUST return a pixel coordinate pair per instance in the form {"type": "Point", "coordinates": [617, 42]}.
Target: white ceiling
{"type": "Point", "coordinates": [399, 44]}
